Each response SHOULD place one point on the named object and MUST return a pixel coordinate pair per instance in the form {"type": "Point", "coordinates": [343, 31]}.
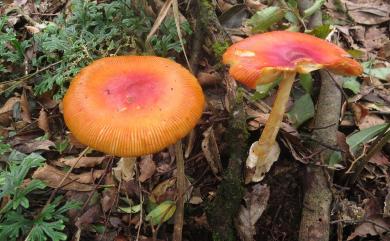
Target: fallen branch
{"type": "Point", "coordinates": [318, 196]}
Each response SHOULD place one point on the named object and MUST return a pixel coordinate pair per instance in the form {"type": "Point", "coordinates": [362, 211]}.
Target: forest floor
{"type": "Point", "coordinates": [53, 187]}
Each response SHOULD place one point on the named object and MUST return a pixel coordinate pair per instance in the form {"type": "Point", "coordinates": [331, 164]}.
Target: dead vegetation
{"type": "Point", "coordinates": [53, 187]}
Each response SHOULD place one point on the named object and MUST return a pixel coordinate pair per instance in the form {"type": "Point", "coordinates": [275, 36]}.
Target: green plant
{"type": "Point", "coordinates": [11, 48]}
{"type": "Point", "coordinates": [16, 218]}
{"type": "Point", "coordinates": [92, 30]}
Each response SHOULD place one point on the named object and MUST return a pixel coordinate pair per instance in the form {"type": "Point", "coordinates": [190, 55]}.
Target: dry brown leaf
{"type": "Point", "coordinates": [375, 37]}
{"type": "Point", "coordinates": [255, 204]}
{"type": "Point", "coordinates": [386, 208]}
{"type": "Point", "coordinates": [88, 177]}
{"type": "Point", "coordinates": [124, 169]}
{"type": "Point", "coordinates": [210, 150]}
{"type": "Point", "coordinates": [83, 162]}
{"type": "Point", "coordinates": [380, 159]}
{"type": "Point", "coordinates": [53, 176]}
{"type": "Point", "coordinates": [147, 168]}
{"type": "Point", "coordinates": [43, 121]}
{"type": "Point", "coordinates": [350, 211]}
{"type": "Point", "coordinates": [255, 5]}
{"type": "Point", "coordinates": [376, 226]}
{"type": "Point", "coordinates": [32, 29]}
{"type": "Point", "coordinates": [74, 142]}
{"type": "Point", "coordinates": [209, 78]}
{"type": "Point", "coordinates": [92, 215]}
{"type": "Point", "coordinates": [359, 111]}
{"type": "Point", "coordinates": [372, 13]}
{"type": "Point", "coordinates": [190, 143]}
{"type": "Point", "coordinates": [108, 198]}
{"type": "Point", "coordinates": [159, 192]}
{"type": "Point", "coordinates": [9, 104]}
{"type": "Point", "coordinates": [35, 145]}
{"type": "Point", "coordinates": [24, 105]}
{"type": "Point", "coordinates": [369, 121]}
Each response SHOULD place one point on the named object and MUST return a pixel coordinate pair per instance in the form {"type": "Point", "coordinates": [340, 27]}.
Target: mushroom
{"type": "Point", "coordinates": [135, 105]}
{"type": "Point", "coordinates": [263, 58]}
{"type": "Point", "coordinates": [130, 106]}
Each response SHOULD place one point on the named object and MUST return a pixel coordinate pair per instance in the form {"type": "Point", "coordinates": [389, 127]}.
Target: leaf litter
{"type": "Point", "coordinates": [33, 124]}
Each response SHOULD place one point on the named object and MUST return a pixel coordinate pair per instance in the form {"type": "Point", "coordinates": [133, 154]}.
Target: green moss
{"type": "Point", "coordinates": [225, 206]}
{"type": "Point", "coordinates": [222, 211]}
{"type": "Point", "coordinates": [219, 48]}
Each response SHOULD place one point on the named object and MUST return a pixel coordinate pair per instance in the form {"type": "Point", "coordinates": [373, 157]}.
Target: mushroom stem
{"type": "Point", "coordinates": [272, 126]}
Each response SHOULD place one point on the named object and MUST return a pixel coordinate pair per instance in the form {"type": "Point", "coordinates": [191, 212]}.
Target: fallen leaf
{"type": "Point", "coordinates": [190, 143]}
{"type": "Point", "coordinates": [209, 78]}
{"type": "Point", "coordinates": [359, 111]}
{"type": "Point", "coordinates": [147, 168]}
{"type": "Point", "coordinates": [32, 29]}
{"type": "Point", "coordinates": [9, 104]}
{"type": "Point", "coordinates": [53, 176]}
{"type": "Point", "coordinates": [262, 20]}
{"type": "Point", "coordinates": [108, 199]}
{"type": "Point", "coordinates": [302, 110]}
{"type": "Point", "coordinates": [161, 213]}
{"type": "Point", "coordinates": [249, 214]}
{"type": "Point", "coordinates": [369, 121]}
{"type": "Point", "coordinates": [380, 159]}
{"type": "Point", "coordinates": [375, 227]}
{"type": "Point", "coordinates": [74, 142]}
{"type": "Point", "coordinates": [374, 37]}
{"type": "Point", "coordinates": [210, 150]}
{"type": "Point", "coordinates": [350, 211]}
{"type": "Point", "coordinates": [372, 13]}
{"type": "Point", "coordinates": [124, 169]}
{"type": "Point", "coordinates": [43, 121]}
{"type": "Point", "coordinates": [83, 162]}
{"type": "Point", "coordinates": [92, 215]}
{"type": "Point", "coordinates": [159, 192]}
{"type": "Point", "coordinates": [25, 106]}
{"type": "Point", "coordinates": [34, 145]}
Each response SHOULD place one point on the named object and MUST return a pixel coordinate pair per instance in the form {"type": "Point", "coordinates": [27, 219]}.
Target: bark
{"type": "Point", "coordinates": [318, 196]}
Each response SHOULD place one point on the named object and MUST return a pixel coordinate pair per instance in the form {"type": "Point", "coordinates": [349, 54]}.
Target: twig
{"type": "Point", "coordinates": [180, 184]}
{"type": "Point", "coordinates": [337, 85]}
{"type": "Point", "coordinates": [141, 203]}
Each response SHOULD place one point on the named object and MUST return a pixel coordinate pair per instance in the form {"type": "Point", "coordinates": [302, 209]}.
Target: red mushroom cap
{"type": "Point", "coordinates": [132, 105]}
{"type": "Point", "coordinates": [261, 58]}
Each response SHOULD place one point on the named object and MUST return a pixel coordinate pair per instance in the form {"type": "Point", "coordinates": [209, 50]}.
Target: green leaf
{"type": "Point", "coordinates": [313, 8]}
{"type": "Point", "coordinates": [363, 136]}
{"type": "Point", "coordinates": [352, 84]}
{"type": "Point", "coordinates": [262, 91]}
{"type": "Point", "coordinates": [262, 20]}
{"type": "Point", "coordinates": [334, 158]}
{"type": "Point", "coordinates": [161, 213]}
{"type": "Point", "coordinates": [131, 209]}
{"type": "Point", "coordinates": [322, 31]}
{"type": "Point", "coordinates": [302, 110]}
{"type": "Point", "coordinates": [355, 53]}
{"type": "Point", "coordinates": [380, 73]}
{"type": "Point", "coordinates": [62, 145]}
{"type": "Point", "coordinates": [306, 81]}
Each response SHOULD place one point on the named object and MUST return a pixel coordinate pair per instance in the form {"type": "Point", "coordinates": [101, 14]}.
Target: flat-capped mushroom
{"type": "Point", "coordinates": [263, 58]}
{"type": "Point", "coordinates": [135, 105]}
{"type": "Point", "coordinates": [132, 105]}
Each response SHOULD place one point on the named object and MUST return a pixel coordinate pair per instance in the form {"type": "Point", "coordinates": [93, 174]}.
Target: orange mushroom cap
{"type": "Point", "coordinates": [261, 58]}
{"type": "Point", "coordinates": [132, 105]}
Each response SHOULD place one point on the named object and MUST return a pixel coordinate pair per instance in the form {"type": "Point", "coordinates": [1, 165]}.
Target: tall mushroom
{"type": "Point", "coordinates": [263, 58]}
{"type": "Point", "coordinates": [130, 106]}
